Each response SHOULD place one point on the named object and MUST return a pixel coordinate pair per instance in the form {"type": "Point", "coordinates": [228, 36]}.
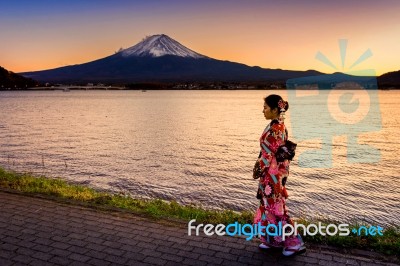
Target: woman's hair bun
{"type": "Point", "coordinates": [276, 101]}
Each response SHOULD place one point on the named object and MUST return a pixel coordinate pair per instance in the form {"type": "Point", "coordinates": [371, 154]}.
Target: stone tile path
{"type": "Point", "coordinates": [37, 231]}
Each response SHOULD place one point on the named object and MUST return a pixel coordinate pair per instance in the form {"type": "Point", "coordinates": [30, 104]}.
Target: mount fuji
{"type": "Point", "coordinates": [160, 45]}
{"type": "Point", "coordinates": [161, 58]}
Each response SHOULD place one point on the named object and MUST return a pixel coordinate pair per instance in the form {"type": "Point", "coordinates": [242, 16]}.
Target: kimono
{"type": "Point", "coordinates": [271, 188]}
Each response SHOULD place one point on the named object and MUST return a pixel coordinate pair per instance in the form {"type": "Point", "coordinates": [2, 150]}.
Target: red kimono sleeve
{"type": "Point", "coordinates": [270, 142]}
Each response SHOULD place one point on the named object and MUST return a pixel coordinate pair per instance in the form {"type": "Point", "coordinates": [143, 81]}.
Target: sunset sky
{"type": "Point", "coordinates": [44, 34]}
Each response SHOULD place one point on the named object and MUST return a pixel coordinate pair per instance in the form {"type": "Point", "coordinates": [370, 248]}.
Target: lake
{"type": "Point", "coordinates": [196, 147]}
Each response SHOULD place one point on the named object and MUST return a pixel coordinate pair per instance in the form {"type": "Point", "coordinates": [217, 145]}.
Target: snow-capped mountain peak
{"type": "Point", "coordinates": [160, 45]}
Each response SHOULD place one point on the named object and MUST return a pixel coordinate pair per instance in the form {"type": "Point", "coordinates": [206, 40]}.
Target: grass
{"type": "Point", "coordinates": [388, 244]}
{"type": "Point", "coordinates": [156, 208]}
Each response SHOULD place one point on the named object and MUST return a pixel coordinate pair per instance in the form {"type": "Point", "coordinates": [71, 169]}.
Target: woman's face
{"type": "Point", "coordinates": [268, 113]}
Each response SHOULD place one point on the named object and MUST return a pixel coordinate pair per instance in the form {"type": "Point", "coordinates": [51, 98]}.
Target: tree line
{"type": "Point", "coordinates": [10, 80]}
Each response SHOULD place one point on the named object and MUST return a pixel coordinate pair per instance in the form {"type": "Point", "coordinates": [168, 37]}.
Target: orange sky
{"type": "Point", "coordinates": [43, 34]}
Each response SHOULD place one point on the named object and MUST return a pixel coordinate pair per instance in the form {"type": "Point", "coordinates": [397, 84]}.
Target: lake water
{"type": "Point", "coordinates": [192, 146]}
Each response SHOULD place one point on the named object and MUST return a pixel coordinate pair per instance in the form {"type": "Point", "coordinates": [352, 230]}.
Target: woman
{"type": "Point", "coordinates": [273, 174]}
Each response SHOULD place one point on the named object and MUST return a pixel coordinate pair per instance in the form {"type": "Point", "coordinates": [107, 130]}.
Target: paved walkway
{"type": "Point", "coordinates": [36, 231]}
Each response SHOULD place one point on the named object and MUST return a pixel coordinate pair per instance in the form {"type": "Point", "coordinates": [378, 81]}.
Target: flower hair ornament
{"type": "Point", "coordinates": [282, 107]}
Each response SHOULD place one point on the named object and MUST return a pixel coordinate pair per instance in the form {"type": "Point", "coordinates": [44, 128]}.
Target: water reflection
{"type": "Point", "coordinates": [194, 146]}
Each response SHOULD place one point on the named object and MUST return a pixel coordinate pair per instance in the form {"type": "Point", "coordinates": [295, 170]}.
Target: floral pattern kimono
{"type": "Point", "coordinates": [271, 188]}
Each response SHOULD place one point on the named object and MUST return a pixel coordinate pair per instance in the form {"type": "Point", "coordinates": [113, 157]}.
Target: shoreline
{"type": "Point", "coordinates": [117, 88]}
